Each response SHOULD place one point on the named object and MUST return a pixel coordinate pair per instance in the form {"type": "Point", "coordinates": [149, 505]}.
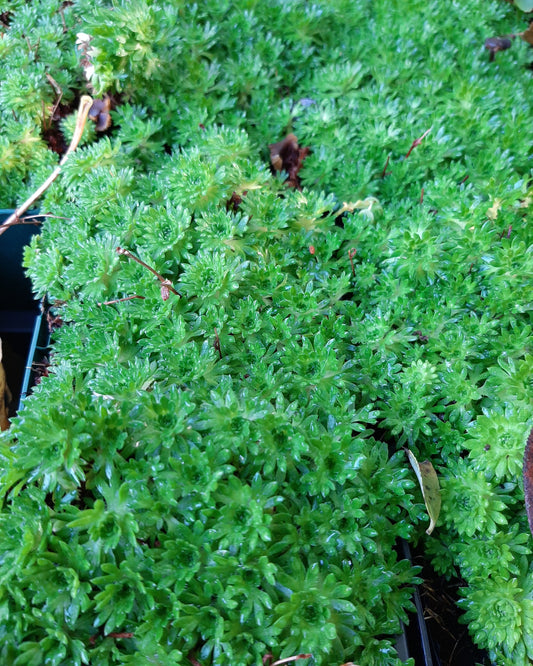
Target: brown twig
{"type": "Point", "coordinates": [34, 219]}
{"type": "Point", "coordinates": [164, 282]}
{"type": "Point", "coordinates": [417, 142]}
{"type": "Point", "coordinates": [55, 85]}
{"type": "Point", "coordinates": [60, 10]}
{"type": "Point", "coordinates": [85, 105]}
{"type": "Point", "coordinates": [463, 180]}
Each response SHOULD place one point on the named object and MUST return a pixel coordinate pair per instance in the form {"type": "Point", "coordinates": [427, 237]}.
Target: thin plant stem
{"type": "Point", "coordinates": [417, 142]}
{"type": "Point", "coordinates": [351, 255]}
{"type": "Point", "coordinates": [385, 172]}
{"type": "Point", "coordinates": [295, 658]}
{"type": "Point", "coordinates": [166, 283]}
{"type": "Point", "coordinates": [83, 111]}
{"type": "Point", "coordinates": [121, 300]}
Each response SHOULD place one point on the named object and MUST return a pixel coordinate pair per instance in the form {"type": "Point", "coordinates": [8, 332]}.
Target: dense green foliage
{"type": "Point", "coordinates": [212, 471]}
{"type": "Point", "coordinates": [228, 498]}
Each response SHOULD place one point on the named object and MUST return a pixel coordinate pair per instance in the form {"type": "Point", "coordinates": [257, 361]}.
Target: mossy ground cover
{"type": "Point", "coordinates": [218, 474]}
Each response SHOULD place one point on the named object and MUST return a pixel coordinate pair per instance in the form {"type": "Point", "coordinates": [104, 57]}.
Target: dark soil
{"type": "Point", "coordinates": [449, 641]}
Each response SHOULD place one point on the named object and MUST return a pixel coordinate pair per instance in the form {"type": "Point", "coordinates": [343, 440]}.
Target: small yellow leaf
{"type": "Point", "coordinates": [429, 484]}
{"type": "Point", "coordinates": [492, 212]}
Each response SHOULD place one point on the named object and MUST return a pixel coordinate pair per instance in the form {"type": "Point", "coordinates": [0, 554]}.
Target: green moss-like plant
{"type": "Point", "coordinates": [314, 332]}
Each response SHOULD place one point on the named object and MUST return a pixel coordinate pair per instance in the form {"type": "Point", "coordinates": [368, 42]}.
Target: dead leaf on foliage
{"type": "Point", "coordinates": [100, 113]}
{"type": "Point", "coordinates": [492, 212]}
{"type": "Point", "coordinates": [495, 44]}
{"type": "Point", "coordinates": [527, 35]}
{"type": "Point", "coordinates": [288, 156]}
{"type": "Point", "coordinates": [429, 484]}
{"type": "Point", "coordinates": [527, 471]}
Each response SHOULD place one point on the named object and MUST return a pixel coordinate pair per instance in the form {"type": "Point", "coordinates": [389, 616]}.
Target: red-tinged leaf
{"type": "Point", "coordinates": [528, 479]}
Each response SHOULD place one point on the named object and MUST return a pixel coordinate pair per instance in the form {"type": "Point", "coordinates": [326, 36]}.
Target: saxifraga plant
{"type": "Point", "coordinates": [211, 486]}
{"type": "Point", "coordinates": [433, 341]}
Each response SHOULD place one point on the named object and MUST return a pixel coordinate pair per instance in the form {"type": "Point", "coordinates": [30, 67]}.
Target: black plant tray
{"type": "Point", "coordinates": [20, 314]}
{"type": "Point", "coordinates": [415, 641]}
{"type": "Point", "coordinates": [434, 635]}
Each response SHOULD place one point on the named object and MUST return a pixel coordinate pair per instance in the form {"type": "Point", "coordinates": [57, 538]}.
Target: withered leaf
{"type": "Point", "coordinates": [288, 156]}
{"type": "Point", "coordinates": [99, 113]}
{"type": "Point", "coordinates": [165, 292]}
{"type": "Point", "coordinates": [234, 202]}
{"type": "Point", "coordinates": [429, 484]}
{"type": "Point", "coordinates": [495, 44]}
{"type": "Point", "coordinates": [527, 35]}
{"type": "Point", "coordinates": [492, 212]}
{"type": "Point", "coordinates": [527, 471]}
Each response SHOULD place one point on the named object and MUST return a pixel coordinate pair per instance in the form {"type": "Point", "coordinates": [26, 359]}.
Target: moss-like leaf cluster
{"type": "Point", "coordinates": [218, 473]}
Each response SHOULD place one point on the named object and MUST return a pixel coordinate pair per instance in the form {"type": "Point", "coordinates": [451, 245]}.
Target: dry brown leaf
{"type": "Point", "coordinates": [99, 113]}
{"type": "Point", "coordinates": [527, 35]}
{"type": "Point", "coordinates": [495, 44]}
{"type": "Point", "coordinates": [288, 156]}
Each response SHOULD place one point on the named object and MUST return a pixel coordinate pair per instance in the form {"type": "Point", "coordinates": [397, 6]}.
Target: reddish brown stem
{"type": "Point", "coordinates": [417, 142]}
{"type": "Point", "coordinates": [217, 344]}
{"type": "Point", "coordinates": [351, 255]}
{"type": "Point", "coordinates": [120, 634]}
{"type": "Point", "coordinates": [422, 196]}
{"type": "Point", "coordinates": [166, 283]}
{"type": "Point", "coordinates": [385, 172]}
{"type": "Point", "coordinates": [463, 180]}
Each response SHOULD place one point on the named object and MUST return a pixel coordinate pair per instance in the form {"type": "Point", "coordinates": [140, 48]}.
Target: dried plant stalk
{"type": "Point", "coordinates": [83, 111]}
